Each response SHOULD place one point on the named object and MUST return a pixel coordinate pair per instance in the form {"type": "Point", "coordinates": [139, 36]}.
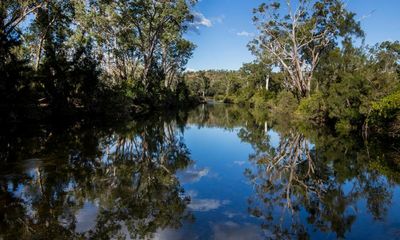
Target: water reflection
{"type": "Point", "coordinates": [93, 183]}
{"type": "Point", "coordinates": [305, 186]}
{"type": "Point", "coordinates": [310, 183]}
{"type": "Point", "coordinates": [180, 176]}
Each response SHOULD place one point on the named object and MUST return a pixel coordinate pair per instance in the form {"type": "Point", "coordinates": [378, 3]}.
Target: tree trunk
{"type": "Point", "coordinates": [266, 128]}
{"type": "Point", "coordinates": [39, 52]}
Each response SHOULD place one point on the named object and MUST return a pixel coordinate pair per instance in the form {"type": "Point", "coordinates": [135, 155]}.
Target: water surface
{"type": "Point", "coordinates": [216, 172]}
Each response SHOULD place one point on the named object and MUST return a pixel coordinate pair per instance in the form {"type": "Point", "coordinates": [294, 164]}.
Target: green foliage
{"type": "Point", "coordinates": [353, 86]}
{"type": "Point", "coordinates": [70, 57]}
{"type": "Point", "coordinates": [244, 95]}
{"type": "Point", "coordinates": [261, 97]}
{"type": "Point", "coordinates": [343, 126]}
{"type": "Point", "coordinates": [285, 103]}
{"type": "Point", "coordinates": [388, 106]}
{"type": "Point", "coordinates": [346, 98]}
{"type": "Point", "coordinates": [293, 35]}
{"type": "Point", "coordinates": [385, 114]}
{"type": "Point", "coordinates": [245, 86]}
{"type": "Point", "coordinates": [313, 108]}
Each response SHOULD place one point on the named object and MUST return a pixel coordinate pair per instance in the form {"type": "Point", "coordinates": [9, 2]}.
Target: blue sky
{"type": "Point", "coordinates": [225, 29]}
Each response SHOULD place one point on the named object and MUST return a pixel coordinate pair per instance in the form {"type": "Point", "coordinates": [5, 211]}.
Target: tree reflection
{"type": "Point", "coordinates": [125, 176]}
{"type": "Point", "coordinates": [88, 181]}
{"type": "Point", "coordinates": [303, 187]}
{"type": "Point", "coordinates": [312, 180]}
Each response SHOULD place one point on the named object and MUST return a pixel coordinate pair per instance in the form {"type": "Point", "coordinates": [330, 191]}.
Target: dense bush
{"type": "Point", "coordinates": [388, 107]}
{"type": "Point", "coordinates": [285, 103]}
{"type": "Point", "coordinates": [313, 108]}
{"type": "Point", "coordinates": [386, 113]}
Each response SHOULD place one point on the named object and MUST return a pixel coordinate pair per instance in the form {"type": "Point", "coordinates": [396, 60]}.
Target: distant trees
{"type": "Point", "coordinates": [257, 75]}
{"type": "Point", "coordinates": [294, 34]}
{"type": "Point", "coordinates": [253, 81]}
{"type": "Point", "coordinates": [204, 83]}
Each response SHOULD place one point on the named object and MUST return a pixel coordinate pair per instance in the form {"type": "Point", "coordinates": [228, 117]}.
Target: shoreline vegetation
{"type": "Point", "coordinates": [115, 59]}
{"type": "Point", "coordinates": [313, 67]}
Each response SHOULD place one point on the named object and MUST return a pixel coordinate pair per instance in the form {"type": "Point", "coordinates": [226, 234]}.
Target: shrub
{"type": "Point", "coordinates": [261, 97]}
{"type": "Point", "coordinates": [388, 106]}
{"type": "Point", "coordinates": [285, 102]}
{"type": "Point", "coordinates": [343, 127]}
{"type": "Point", "coordinates": [228, 99]}
{"type": "Point", "coordinates": [313, 108]}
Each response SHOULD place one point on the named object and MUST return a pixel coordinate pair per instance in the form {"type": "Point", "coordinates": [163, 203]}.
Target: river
{"type": "Point", "coordinates": [215, 172]}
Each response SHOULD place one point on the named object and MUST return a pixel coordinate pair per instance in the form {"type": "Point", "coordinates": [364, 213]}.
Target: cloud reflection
{"type": "Point", "coordinates": [205, 205]}
{"type": "Point", "coordinates": [231, 230]}
{"type": "Point", "coordinates": [175, 234]}
{"type": "Point", "coordinates": [86, 217]}
{"type": "Point", "coordinates": [192, 174]}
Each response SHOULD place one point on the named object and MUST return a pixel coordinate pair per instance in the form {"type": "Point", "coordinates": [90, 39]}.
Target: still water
{"type": "Point", "coordinates": [216, 172]}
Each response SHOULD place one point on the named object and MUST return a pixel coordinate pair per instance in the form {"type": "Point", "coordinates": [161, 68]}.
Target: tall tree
{"type": "Point", "coordinates": [294, 33]}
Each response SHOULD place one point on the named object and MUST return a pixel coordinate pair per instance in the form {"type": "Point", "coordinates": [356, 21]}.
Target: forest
{"type": "Point", "coordinates": [122, 57]}
{"type": "Point", "coordinates": [65, 58]}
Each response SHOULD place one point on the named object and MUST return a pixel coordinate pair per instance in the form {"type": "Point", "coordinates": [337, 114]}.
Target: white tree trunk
{"type": "Point", "coordinates": [267, 83]}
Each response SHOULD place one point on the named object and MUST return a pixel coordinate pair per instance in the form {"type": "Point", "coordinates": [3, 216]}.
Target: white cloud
{"type": "Point", "coordinates": [234, 214]}
{"type": "Point", "coordinates": [245, 34]}
{"type": "Point", "coordinates": [192, 193]}
{"type": "Point", "coordinates": [219, 19]}
{"type": "Point", "coordinates": [190, 70]}
{"type": "Point", "coordinates": [367, 15]}
{"type": "Point", "coordinates": [200, 20]}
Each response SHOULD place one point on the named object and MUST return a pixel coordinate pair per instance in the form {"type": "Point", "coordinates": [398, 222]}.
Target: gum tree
{"type": "Point", "coordinates": [295, 33]}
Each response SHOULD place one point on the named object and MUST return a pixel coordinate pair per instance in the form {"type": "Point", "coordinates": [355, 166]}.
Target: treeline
{"type": "Point", "coordinates": [309, 65]}
{"type": "Point", "coordinates": [254, 83]}
{"type": "Point", "coordinates": [62, 57]}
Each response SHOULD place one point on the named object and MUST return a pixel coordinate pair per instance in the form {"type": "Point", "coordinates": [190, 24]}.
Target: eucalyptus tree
{"type": "Point", "coordinates": [295, 33]}
{"type": "Point", "coordinates": [139, 41]}
{"type": "Point", "coordinates": [351, 83]}
{"type": "Point", "coordinates": [204, 83]}
{"type": "Point", "coordinates": [62, 56]}
{"type": "Point", "coordinates": [175, 56]}
{"type": "Point", "coordinates": [12, 14]}
{"type": "Point", "coordinates": [16, 90]}
{"type": "Point", "coordinates": [257, 75]}
{"type": "Point", "coordinates": [154, 23]}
